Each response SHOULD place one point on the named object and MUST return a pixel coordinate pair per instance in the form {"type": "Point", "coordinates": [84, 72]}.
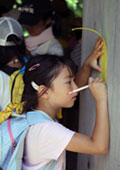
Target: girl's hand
{"type": "Point", "coordinates": [98, 88]}
{"type": "Point", "coordinates": [98, 142]}
{"type": "Point", "coordinates": [91, 61]}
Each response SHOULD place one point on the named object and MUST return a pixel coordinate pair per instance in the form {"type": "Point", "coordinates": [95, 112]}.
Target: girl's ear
{"type": "Point", "coordinates": [42, 91]}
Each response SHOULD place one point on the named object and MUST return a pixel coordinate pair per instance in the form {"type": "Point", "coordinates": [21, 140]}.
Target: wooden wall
{"type": "Point", "coordinates": [103, 16]}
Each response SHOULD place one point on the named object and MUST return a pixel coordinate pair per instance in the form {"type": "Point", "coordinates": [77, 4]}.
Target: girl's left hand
{"type": "Point", "coordinates": [91, 61]}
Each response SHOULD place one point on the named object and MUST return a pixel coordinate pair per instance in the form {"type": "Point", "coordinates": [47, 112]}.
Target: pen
{"type": "Point", "coordinates": [79, 89]}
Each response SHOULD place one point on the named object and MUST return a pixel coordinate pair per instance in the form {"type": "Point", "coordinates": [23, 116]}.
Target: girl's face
{"type": "Point", "coordinates": [64, 83]}
{"type": "Point", "coordinates": [15, 62]}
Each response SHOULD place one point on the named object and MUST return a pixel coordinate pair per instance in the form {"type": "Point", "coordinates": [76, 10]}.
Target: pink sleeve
{"type": "Point", "coordinates": [47, 141]}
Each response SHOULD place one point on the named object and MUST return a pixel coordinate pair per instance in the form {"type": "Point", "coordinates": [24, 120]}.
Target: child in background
{"type": "Point", "coordinates": [12, 53]}
{"type": "Point", "coordinates": [36, 16]}
{"type": "Point", "coordinates": [47, 83]}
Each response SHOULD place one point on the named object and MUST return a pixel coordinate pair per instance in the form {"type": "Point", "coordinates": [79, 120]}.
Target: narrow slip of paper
{"type": "Point", "coordinates": [103, 58]}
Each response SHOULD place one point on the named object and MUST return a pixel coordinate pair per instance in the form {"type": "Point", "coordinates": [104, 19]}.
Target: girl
{"type": "Point", "coordinates": [47, 83]}
{"type": "Point", "coordinates": [12, 52]}
{"type": "Point", "coordinates": [37, 16]}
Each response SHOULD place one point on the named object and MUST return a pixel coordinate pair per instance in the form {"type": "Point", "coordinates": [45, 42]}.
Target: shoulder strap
{"type": "Point", "coordinates": [37, 116]}
{"type": "Point", "coordinates": [14, 143]}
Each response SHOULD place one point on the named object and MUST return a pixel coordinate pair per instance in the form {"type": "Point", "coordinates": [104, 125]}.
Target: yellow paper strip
{"type": "Point", "coordinates": [103, 59]}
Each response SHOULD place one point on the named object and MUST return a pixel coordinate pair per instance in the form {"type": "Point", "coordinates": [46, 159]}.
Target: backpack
{"type": "Point", "coordinates": [12, 135]}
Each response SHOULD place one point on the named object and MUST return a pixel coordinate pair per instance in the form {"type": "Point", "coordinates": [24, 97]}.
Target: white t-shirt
{"type": "Point", "coordinates": [46, 142]}
{"type": "Point", "coordinates": [52, 47]}
{"type": "Point", "coordinates": [44, 43]}
{"type": "Point", "coordinates": [4, 90]}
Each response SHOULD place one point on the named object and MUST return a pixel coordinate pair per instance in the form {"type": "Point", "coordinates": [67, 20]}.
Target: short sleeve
{"type": "Point", "coordinates": [46, 141]}
{"type": "Point", "coordinates": [55, 48]}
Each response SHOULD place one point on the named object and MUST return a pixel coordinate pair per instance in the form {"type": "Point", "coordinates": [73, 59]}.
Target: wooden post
{"type": "Point", "coordinates": [103, 16]}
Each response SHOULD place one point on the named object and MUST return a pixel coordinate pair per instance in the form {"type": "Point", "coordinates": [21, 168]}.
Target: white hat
{"type": "Point", "coordinates": [9, 26]}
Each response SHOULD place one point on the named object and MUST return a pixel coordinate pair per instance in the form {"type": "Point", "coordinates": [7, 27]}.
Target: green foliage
{"type": "Point", "coordinates": [76, 6]}
{"type": "Point", "coordinates": [17, 4]}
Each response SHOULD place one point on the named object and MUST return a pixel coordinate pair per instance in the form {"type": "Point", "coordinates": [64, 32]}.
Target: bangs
{"type": "Point", "coordinates": [56, 70]}
{"type": "Point", "coordinates": [71, 67]}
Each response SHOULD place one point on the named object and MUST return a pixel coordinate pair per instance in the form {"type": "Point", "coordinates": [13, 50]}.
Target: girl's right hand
{"type": "Point", "coordinates": [98, 88]}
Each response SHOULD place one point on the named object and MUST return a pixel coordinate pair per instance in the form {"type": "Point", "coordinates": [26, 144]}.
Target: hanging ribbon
{"type": "Point", "coordinates": [103, 59]}
{"type": "Point", "coordinates": [5, 114]}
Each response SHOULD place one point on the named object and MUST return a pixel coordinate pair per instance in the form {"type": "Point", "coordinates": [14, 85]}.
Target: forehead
{"type": "Point", "coordinates": [65, 73]}
{"type": "Point", "coordinates": [62, 77]}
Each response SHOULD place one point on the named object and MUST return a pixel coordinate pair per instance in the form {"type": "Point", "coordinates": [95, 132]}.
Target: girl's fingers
{"type": "Point", "coordinates": [99, 44]}
{"type": "Point", "coordinates": [97, 68]}
{"type": "Point", "coordinates": [99, 80]}
{"type": "Point", "coordinates": [99, 47]}
{"type": "Point", "coordinates": [91, 80]}
{"type": "Point", "coordinates": [96, 80]}
{"type": "Point", "coordinates": [98, 54]}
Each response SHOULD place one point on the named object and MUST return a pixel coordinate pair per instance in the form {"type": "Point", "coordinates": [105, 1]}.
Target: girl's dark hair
{"type": "Point", "coordinates": [45, 16]}
{"type": "Point", "coordinates": [49, 67]}
{"type": "Point", "coordinates": [8, 52]}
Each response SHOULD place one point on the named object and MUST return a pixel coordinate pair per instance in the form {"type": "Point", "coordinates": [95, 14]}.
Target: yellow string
{"type": "Point", "coordinates": [103, 59]}
{"type": "Point", "coordinates": [18, 87]}
{"type": "Point", "coordinates": [5, 114]}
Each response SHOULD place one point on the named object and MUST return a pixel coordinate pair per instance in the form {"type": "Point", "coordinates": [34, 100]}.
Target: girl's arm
{"type": "Point", "coordinates": [89, 64]}
{"type": "Point", "coordinates": [99, 141]}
